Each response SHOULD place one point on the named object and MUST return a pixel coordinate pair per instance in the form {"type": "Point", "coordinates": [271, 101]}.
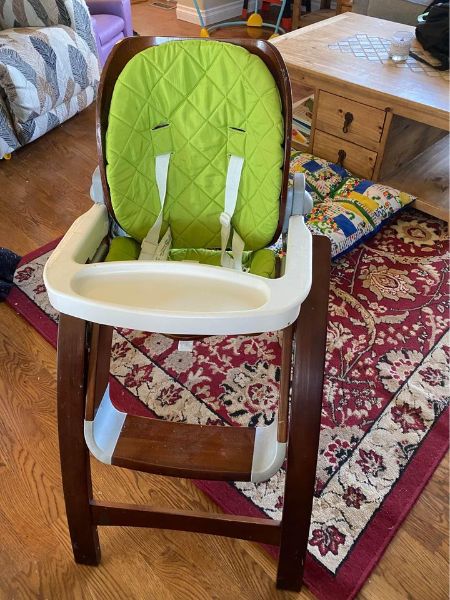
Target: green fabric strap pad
{"type": "Point", "coordinates": [262, 262]}
{"type": "Point", "coordinates": [236, 142]}
{"type": "Point", "coordinates": [202, 101]}
{"type": "Point", "coordinates": [161, 139]}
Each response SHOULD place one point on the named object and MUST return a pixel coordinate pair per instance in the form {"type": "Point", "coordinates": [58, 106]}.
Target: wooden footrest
{"type": "Point", "coordinates": [184, 450]}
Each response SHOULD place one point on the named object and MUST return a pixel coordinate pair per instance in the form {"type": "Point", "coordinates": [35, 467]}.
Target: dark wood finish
{"type": "Point", "coordinates": [103, 361]}
{"type": "Point", "coordinates": [285, 383]}
{"type": "Point", "coordinates": [74, 455]}
{"type": "Point", "coordinates": [265, 531]}
{"type": "Point", "coordinates": [185, 450]}
{"type": "Point", "coordinates": [129, 47]}
{"type": "Point", "coordinates": [304, 429]}
{"type": "Point", "coordinates": [98, 372]}
{"type": "Point", "coordinates": [92, 374]}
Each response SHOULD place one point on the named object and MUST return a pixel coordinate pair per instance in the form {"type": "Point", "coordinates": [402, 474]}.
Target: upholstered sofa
{"type": "Point", "coordinates": [49, 68]}
{"type": "Point", "coordinates": [111, 22]}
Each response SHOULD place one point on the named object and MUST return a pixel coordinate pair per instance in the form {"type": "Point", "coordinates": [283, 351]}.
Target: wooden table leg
{"type": "Point", "coordinates": [296, 9]}
{"type": "Point", "coordinates": [343, 6]}
{"type": "Point", "coordinates": [304, 427]}
{"type": "Point", "coordinates": [74, 455]}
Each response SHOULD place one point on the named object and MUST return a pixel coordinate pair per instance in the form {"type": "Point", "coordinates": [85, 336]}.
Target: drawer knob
{"type": "Point", "coordinates": [341, 157]}
{"type": "Point", "coordinates": [348, 118]}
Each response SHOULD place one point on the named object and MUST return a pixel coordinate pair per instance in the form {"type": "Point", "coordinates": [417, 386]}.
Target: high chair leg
{"type": "Point", "coordinates": [73, 340]}
{"type": "Point", "coordinates": [285, 382]}
{"type": "Point", "coordinates": [304, 426]}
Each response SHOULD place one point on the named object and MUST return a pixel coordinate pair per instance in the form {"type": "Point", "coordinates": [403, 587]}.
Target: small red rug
{"type": "Point", "coordinates": [386, 390]}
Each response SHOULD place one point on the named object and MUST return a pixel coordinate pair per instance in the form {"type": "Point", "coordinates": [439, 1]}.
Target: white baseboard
{"type": "Point", "coordinates": [211, 15]}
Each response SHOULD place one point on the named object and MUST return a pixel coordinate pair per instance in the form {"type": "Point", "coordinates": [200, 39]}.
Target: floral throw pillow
{"type": "Point", "coordinates": [346, 209]}
{"type": "Point", "coordinates": [375, 201]}
{"type": "Point", "coordinates": [322, 177]}
{"type": "Point", "coordinates": [345, 228]}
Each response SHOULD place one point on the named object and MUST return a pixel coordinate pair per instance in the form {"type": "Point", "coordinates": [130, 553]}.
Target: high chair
{"type": "Point", "coordinates": [194, 143]}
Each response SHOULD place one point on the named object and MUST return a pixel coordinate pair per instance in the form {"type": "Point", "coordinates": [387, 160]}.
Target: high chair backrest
{"type": "Point", "coordinates": [181, 123]}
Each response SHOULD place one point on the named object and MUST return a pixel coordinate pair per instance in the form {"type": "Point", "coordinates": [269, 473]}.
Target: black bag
{"type": "Point", "coordinates": [433, 33]}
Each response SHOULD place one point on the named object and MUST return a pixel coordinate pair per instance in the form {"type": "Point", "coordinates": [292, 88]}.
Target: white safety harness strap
{"type": "Point", "coordinates": [154, 249]}
{"type": "Point", "coordinates": [233, 179]}
{"type": "Point", "coordinates": [151, 247]}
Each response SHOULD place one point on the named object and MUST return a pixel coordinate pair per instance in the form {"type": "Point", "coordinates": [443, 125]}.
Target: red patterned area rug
{"type": "Point", "coordinates": [384, 430]}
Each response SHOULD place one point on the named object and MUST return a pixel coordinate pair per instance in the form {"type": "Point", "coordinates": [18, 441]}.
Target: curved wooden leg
{"type": "Point", "coordinates": [74, 455]}
{"type": "Point", "coordinates": [285, 383]}
{"type": "Point", "coordinates": [304, 428]}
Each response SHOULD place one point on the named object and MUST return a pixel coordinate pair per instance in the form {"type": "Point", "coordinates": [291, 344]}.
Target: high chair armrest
{"type": "Point", "coordinates": [82, 238]}
{"type": "Point", "coordinates": [174, 297]}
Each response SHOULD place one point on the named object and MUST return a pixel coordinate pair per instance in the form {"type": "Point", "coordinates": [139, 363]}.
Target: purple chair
{"type": "Point", "coordinates": [111, 21]}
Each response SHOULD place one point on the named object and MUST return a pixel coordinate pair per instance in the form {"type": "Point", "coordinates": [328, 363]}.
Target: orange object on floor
{"type": "Point", "coordinates": [286, 23]}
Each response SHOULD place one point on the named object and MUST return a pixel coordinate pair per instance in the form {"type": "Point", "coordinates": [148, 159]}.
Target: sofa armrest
{"type": "Point", "coordinates": [119, 8]}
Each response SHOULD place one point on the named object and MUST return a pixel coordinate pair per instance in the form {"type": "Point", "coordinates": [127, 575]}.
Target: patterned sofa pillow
{"type": "Point", "coordinates": [346, 209]}
{"type": "Point", "coordinates": [322, 177]}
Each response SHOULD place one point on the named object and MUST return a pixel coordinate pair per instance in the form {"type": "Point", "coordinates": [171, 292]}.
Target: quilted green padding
{"type": "Point", "coordinates": [123, 248]}
{"type": "Point", "coordinates": [205, 90]}
{"type": "Point", "coordinates": [261, 262]}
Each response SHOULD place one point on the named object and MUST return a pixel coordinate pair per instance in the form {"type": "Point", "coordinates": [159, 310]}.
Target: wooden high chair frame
{"type": "Point", "coordinates": [218, 453]}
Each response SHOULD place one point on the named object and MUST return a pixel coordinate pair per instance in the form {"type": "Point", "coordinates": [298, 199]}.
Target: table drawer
{"type": "Point", "coordinates": [350, 120]}
{"type": "Point", "coordinates": [356, 159]}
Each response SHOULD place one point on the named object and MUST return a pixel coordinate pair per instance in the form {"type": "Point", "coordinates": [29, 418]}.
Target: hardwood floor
{"type": "Point", "coordinates": [42, 189]}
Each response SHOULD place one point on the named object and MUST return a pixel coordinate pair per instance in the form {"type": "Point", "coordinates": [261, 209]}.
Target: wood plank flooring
{"type": "Point", "coordinates": [42, 189]}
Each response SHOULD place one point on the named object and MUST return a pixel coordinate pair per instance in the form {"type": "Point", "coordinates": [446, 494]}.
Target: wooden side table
{"type": "Point", "coordinates": [378, 120]}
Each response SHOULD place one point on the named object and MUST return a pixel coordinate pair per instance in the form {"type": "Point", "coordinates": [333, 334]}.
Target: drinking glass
{"type": "Point", "coordinates": [400, 46]}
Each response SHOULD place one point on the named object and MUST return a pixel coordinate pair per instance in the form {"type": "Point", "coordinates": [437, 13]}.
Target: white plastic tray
{"type": "Point", "coordinates": [174, 297]}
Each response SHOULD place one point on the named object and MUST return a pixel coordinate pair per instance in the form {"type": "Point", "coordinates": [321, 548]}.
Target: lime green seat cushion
{"type": "Point", "coordinates": [260, 262]}
{"type": "Point", "coordinates": [123, 248]}
{"type": "Point", "coordinates": [214, 99]}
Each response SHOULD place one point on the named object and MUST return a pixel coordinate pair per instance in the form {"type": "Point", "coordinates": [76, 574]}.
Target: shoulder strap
{"type": "Point", "coordinates": [236, 146]}
{"type": "Point", "coordinates": [151, 247]}
{"type": "Point", "coordinates": [231, 193]}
